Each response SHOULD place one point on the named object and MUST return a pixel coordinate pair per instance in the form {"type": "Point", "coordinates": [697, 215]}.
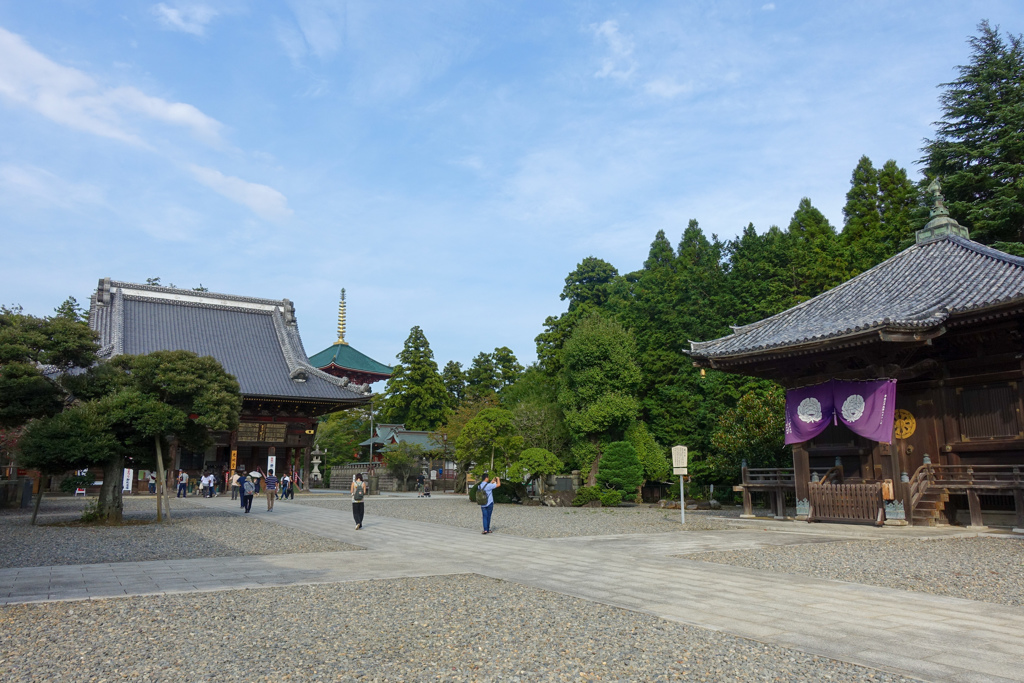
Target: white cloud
{"type": "Point", "coordinates": [768, 7]}
{"type": "Point", "coordinates": [323, 25]}
{"type": "Point", "coordinates": [619, 63]}
{"type": "Point", "coordinates": [72, 98]}
{"type": "Point", "coordinates": [262, 200]}
{"type": "Point", "coordinates": [187, 18]}
{"type": "Point", "coordinates": [40, 186]}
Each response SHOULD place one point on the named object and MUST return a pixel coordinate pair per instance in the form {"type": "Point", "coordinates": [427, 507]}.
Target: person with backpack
{"type": "Point", "coordinates": [485, 499]}
{"type": "Point", "coordinates": [358, 491]}
{"type": "Point", "coordinates": [248, 491]}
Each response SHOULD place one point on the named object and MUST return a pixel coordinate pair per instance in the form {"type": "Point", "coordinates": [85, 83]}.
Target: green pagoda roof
{"type": "Point", "coordinates": [344, 356]}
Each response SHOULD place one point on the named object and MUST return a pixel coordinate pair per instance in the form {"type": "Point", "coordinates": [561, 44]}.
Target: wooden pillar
{"type": "Point", "coordinates": [780, 503]}
{"type": "Point", "coordinates": [975, 505]}
{"type": "Point", "coordinates": [305, 468]}
{"type": "Point", "coordinates": [1018, 503]}
{"type": "Point", "coordinates": [801, 478]}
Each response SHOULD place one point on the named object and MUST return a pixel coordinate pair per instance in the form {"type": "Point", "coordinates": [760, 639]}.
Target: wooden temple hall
{"type": "Point", "coordinates": [938, 328]}
{"type": "Point", "coordinates": [257, 341]}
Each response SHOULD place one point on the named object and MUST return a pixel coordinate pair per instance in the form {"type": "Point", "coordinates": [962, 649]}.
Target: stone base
{"type": "Point", "coordinates": [895, 522]}
{"type": "Point", "coordinates": [801, 518]}
{"type": "Point", "coordinates": [1018, 531]}
{"type": "Point", "coordinates": [748, 516]}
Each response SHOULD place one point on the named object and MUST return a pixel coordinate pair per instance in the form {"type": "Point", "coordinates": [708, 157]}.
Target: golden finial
{"type": "Point", "coordinates": [341, 319]}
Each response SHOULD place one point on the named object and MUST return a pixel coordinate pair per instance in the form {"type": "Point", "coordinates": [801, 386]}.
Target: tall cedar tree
{"type": "Point", "coordinates": [454, 382]}
{"type": "Point", "coordinates": [877, 214]}
{"type": "Point", "coordinates": [415, 394]}
{"type": "Point", "coordinates": [978, 148]}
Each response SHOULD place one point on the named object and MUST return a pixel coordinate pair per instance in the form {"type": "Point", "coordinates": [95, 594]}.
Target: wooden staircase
{"type": "Point", "coordinates": [930, 506]}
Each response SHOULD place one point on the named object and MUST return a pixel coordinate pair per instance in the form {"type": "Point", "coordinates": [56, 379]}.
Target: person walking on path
{"type": "Point", "coordinates": [152, 482]}
{"type": "Point", "coordinates": [248, 490]}
{"type": "Point", "coordinates": [271, 482]}
{"type": "Point", "coordinates": [234, 485]}
{"type": "Point", "coordinates": [358, 490]}
{"type": "Point", "coordinates": [286, 488]}
{"type": "Point", "coordinates": [182, 485]}
{"type": "Point", "coordinates": [487, 487]}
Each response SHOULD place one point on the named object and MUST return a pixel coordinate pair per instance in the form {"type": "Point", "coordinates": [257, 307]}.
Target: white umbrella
{"type": "Point", "coordinates": [255, 475]}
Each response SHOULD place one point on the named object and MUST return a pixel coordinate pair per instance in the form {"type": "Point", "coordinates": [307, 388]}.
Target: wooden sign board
{"type": "Point", "coordinates": [234, 460]}
{"type": "Point", "coordinates": [679, 460]}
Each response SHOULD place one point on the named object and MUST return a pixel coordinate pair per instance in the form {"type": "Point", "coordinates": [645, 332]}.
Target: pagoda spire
{"type": "Point", "coordinates": [341, 319]}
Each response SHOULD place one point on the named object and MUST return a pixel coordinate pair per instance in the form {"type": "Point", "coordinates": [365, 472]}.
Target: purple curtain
{"type": "Point", "coordinates": [808, 411]}
{"type": "Point", "coordinates": [867, 408]}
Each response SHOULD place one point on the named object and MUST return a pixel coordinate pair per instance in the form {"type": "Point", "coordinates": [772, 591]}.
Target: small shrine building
{"type": "Point", "coordinates": [944, 319]}
{"type": "Point", "coordinates": [256, 340]}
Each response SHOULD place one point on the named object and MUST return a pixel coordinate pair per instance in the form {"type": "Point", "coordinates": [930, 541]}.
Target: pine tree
{"type": "Point", "coordinates": [415, 394]}
{"type": "Point", "coordinates": [817, 260]}
{"type": "Point", "coordinates": [978, 149]}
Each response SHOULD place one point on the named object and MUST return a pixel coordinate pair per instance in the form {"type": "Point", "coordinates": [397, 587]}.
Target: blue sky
{"type": "Point", "coordinates": [448, 163]}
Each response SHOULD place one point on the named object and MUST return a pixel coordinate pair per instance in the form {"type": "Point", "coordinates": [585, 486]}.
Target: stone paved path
{"type": "Point", "coordinates": [916, 634]}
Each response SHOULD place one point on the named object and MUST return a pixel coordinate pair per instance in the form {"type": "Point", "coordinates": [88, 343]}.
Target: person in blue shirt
{"type": "Point", "coordinates": [487, 486]}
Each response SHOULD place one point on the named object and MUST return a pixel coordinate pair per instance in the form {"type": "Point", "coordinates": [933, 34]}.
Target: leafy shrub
{"type": "Point", "coordinates": [92, 512]}
{"type": "Point", "coordinates": [585, 494]}
{"type": "Point", "coordinates": [611, 498]}
{"type": "Point", "coordinates": [620, 467]}
{"type": "Point", "coordinates": [629, 497]}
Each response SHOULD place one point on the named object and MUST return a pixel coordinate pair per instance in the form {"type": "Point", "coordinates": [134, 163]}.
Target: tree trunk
{"type": "Point", "coordinates": [39, 499]}
{"type": "Point", "coordinates": [161, 481]}
{"type": "Point", "coordinates": [111, 505]}
{"type": "Point", "coordinates": [592, 477]}
{"type": "Point", "coordinates": [460, 480]}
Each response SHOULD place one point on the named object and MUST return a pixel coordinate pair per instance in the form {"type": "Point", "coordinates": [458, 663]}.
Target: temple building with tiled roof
{"type": "Point", "coordinates": [341, 360]}
{"type": "Point", "coordinates": [945, 319]}
{"type": "Point", "coordinates": [257, 341]}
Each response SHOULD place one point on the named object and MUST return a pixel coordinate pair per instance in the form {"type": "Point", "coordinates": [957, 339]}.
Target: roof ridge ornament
{"type": "Point", "coordinates": [341, 319]}
{"type": "Point", "coordinates": [940, 223]}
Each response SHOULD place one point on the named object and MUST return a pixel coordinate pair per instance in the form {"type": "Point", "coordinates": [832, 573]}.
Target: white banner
{"type": "Point", "coordinates": [271, 463]}
{"type": "Point", "coordinates": [126, 483]}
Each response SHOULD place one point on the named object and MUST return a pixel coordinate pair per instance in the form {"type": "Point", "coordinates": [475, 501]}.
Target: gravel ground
{"type": "Point", "coordinates": [194, 532]}
{"type": "Point", "coordinates": [425, 629]}
{"type": "Point", "coordinates": [535, 521]}
{"type": "Point", "coordinates": [988, 569]}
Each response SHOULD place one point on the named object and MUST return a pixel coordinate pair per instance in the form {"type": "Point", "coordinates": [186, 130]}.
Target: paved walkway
{"type": "Point", "coordinates": [916, 634]}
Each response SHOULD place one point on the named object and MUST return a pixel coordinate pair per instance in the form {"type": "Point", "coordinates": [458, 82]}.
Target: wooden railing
{"type": "Point", "coordinates": [846, 503]}
{"type": "Point", "coordinates": [769, 477]}
{"type": "Point", "coordinates": [972, 480]}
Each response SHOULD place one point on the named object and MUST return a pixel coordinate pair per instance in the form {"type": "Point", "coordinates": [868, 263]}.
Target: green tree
{"type": "Point", "coordinates": [978, 148]}
{"type": "Point", "coordinates": [753, 431]}
{"type": "Point", "coordinates": [878, 212]}
{"type": "Point", "coordinates": [26, 344]}
{"type": "Point", "coordinates": [415, 394]}
{"type": "Point", "coordinates": [339, 435]}
{"type": "Point", "coordinates": [620, 468]}
{"type": "Point", "coordinates": [166, 395]}
{"type": "Point", "coordinates": [489, 441]}
{"type": "Point", "coordinates": [454, 380]}
{"type": "Point", "coordinates": [403, 460]}
{"type": "Point", "coordinates": [507, 366]}
{"type": "Point", "coordinates": [597, 388]}
{"type": "Point", "coordinates": [587, 288]}
{"type": "Point", "coordinates": [482, 377]}
{"type": "Point", "coordinates": [532, 464]}
{"type": "Point", "coordinates": [447, 435]}
{"type": "Point", "coordinates": [652, 456]}
{"type": "Point", "coordinates": [817, 261]}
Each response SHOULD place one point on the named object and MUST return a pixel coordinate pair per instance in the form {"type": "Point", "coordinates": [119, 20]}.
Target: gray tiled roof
{"type": "Point", "coordinates": [256, 340]}
{"type": "Point", "coordinates": [921, 287]}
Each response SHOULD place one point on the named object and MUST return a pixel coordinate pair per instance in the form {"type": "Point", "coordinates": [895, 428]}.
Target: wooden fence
{"type": "Point", "coordinates": [861, 503]}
